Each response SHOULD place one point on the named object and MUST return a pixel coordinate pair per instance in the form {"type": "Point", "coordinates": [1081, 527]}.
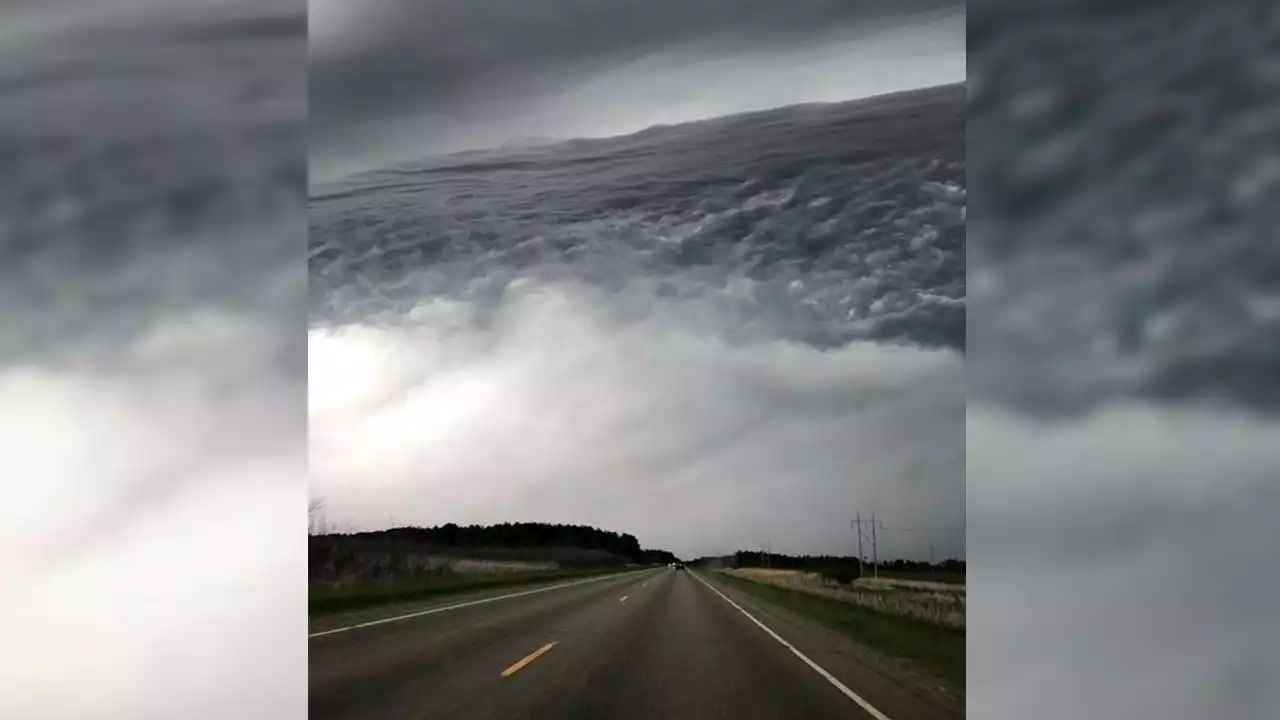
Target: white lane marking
{"type": "Point", "coordinates": [481, 601]}
{"type": "Point", "coordinates": [871, 710]}
{"type": "Point", "coordinates": [624, 599]}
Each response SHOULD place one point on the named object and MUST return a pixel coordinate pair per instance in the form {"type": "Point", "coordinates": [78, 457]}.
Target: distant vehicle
{"type": "Point", "coordinates": [678, 565]}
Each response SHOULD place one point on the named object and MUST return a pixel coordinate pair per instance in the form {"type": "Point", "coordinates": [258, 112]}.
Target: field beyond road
{"type": "Point", "coordinates": [936, 603]}
{"type": "Point", "coordinates": [875, 613]}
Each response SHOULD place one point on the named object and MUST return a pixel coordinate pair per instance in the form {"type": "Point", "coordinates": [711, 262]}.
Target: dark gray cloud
{"type": "Point", "coordinates": [711, 336]}
{"type": "Point", "coordinates": [503, 390]}
{"type": "Point", "coordinates": [443, 75]}
{"type": "Point", "coordinates": [1122, 427]}
{"type": "Point", "coordinates": [1156, 280]}
{"type": "Point", "coordinates": [152, 363]}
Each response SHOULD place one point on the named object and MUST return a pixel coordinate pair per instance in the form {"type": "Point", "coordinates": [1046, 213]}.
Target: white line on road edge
{"type": "Point", "coordinates": [816, 667]}
{"type": "Point", "coordinates": [470, 603]}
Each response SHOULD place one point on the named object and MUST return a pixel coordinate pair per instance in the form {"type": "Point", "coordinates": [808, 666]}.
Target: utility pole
{"type": "Point", "coordinates": [857, 526]}
{"type": "Point", "coordinates": [875, 555]}
{"type": "Point", "coordinates": [875, 548]}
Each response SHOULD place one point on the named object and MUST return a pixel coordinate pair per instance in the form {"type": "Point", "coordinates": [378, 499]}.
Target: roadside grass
{"type": "Point", "coordinates": [931, 602]}
{"type": "Point", "coordinates": [935, 649]}
{"type": "Point", "coordinates": [937, 577]}
{"type": "Point", "coordinates": [328, 600]}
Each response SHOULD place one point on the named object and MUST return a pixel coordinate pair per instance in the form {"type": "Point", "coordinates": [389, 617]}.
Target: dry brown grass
{"type": "Point", "coordinates": [471, 566]}
{"type": "Point", "coordinates": [938, 603]}
{"type": "Point", "coordinates": [872, 583]}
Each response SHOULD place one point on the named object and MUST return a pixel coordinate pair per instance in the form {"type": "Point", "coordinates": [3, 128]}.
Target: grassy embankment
{"type": "Point", "coordinates": [407, 565]}
{"type": "Point", "coordinates": [936, 577]}
{"type": "Point", "coordinates": [327, 599]}
{"type": "Point", "coordinates": [900, 622]}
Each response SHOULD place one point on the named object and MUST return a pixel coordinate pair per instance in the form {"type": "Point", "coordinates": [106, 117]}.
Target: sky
{"type": "Point", "coordinates": [655, 426]}
{"type": "Point", "coordinates": [1122, 512]}
{"type": "Point", "coordinates": [621, 410]}
{"type": "Point", "coordinates": [1123, 444]}
{"type": "Point", "coordinates": [395, 80]}
{"type": "Point", "coordinates": [152, 361]}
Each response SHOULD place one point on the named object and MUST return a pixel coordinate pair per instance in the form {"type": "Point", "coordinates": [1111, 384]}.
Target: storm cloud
{"type": "Point", "coordinates": [1122, 426]}
{"type": "Point", "coordinates": [713, 335]}
{"type": "Point", "coordinates": [152, 362]}
{"type": "Point", "coordinates": [394, 80]}
{"type": "Point", "coordinates": [659, 426]}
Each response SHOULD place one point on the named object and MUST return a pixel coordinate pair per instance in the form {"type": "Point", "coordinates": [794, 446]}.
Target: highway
{"type": "Point", "coordinates": [656, 643]}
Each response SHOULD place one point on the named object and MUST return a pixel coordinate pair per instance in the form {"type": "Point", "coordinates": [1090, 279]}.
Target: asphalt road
{"type": "Point", "coordinates": [651, 644]}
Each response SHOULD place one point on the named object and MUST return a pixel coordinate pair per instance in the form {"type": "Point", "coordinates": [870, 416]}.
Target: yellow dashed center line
{"type": "Point", "coordinates": [528, 659]}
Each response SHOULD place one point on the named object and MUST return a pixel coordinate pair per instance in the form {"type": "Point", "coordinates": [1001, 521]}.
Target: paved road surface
{"type": "Point", "coordinates": [651, 644]}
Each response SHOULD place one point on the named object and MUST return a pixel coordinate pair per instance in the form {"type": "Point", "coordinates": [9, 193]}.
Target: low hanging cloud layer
{"type": "Point", "coordinates": [1122, 424]}
{"type": "Point", "coordinates": [715, 336]}
{"type": "Point", "coordinates": [394, 81]}
{"type": "Point", "coordinates": [656, 426]}
{"type": "Point", "coordinates": [152, 557]}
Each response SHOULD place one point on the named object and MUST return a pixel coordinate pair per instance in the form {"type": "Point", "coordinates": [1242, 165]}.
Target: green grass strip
{"type": "Point", "coordinates": [327, 601]}
{"type": "Point", "coordinates": [938, 650]}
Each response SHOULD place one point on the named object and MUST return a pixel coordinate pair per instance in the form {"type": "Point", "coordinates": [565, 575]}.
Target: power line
{"type": "Point", "coordinates": [857, 523]}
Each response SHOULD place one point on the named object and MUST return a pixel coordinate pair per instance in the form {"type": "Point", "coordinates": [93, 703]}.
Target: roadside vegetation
{"type": "Point", "coordinates": [935, 603]}
{"type": "Point", "coordinates": [351, 571]}
{"type": "Point", "coordinates": [329, 599]}
{"type": "Point", "coordinates": [935, 648]}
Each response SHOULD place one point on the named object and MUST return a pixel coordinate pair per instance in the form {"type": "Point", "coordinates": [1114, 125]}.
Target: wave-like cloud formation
{"type": "Point", "coordinates": [706, 335]}
{"type": "Point", "coordinates": [393, 80]}
{"type": "Point", "coordinates": [818, 224]}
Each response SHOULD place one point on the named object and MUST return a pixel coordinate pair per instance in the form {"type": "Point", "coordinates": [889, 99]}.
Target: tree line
{"type": "Point", "coordinates": [838, 566]}
{"type": "Point", "coordinates": [519, 535]}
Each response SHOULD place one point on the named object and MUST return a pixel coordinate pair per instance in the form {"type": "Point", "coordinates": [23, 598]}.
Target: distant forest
{"type": "Point", "coordinates": [838, 566]}
{"type": "Point", "coordinates": [514, 536]}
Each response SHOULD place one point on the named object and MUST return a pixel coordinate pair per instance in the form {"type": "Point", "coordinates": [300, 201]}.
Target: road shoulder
{"type": "Point", "coordinates": [900, 691]}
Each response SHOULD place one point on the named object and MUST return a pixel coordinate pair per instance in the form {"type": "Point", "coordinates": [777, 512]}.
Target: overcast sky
{"type": "Point", "coordinates": [393, 80]}
{"type": "Point", "coordinates": [1123, 439]}
{"type": "Point", "coordinates": [621, 410]}
{"type": "Point", "coordinates": [152, 363]}
{"type": "Point", "coordinates": [561, 411]}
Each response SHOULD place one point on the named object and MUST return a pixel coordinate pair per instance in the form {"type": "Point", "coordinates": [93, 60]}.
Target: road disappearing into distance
{"type": "Point", "coordinates": [654, 643]}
